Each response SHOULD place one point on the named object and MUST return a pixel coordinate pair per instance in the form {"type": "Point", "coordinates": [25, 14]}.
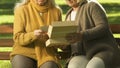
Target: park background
{"type": "Point", "coordinates": [112, 8]}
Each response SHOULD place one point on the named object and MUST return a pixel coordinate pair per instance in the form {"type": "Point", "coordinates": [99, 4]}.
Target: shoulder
{"type": "Point", "coordinates": [57, 9]}
{"type": "Point", "coordinates": [89, 5]}
{"type": "Point", "coordinates": [93, 6]}
{"type": "Point", "coordinates": [20, 9]}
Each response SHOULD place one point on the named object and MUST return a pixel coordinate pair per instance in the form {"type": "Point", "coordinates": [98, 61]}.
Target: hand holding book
{"type": "Point", "coordinates": [41, 35]}
{"type": "Point", "coordinates": [73, 37]}
{"type": "Point", "coordinates": [57, 32]}
{"type": "Point", "coordinates": [44, 37]}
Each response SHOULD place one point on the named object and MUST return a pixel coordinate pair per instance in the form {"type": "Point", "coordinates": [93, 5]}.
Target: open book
{"type": "Point", "coordinates": [57, 32]}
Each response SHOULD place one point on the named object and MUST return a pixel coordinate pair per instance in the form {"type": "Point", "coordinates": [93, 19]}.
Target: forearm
{"type": "Point", "coordinates": [24, 39]}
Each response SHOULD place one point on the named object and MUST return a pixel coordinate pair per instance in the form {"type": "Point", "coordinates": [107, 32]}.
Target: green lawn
{"type": "Point", "coordinates": [5, 64]}
{"type": "Point", "coordinates": [109, 1]}
{"type": "Point", "coordinates": [111, 7]}
{"type": "Point", "coordinates": [6, 16]}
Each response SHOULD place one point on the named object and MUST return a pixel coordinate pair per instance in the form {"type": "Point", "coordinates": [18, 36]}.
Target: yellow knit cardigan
{"type": "Point", "coordinates": [28, 18]}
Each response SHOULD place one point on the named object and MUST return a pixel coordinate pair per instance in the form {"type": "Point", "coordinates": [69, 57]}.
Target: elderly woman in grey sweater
{"type": "Point", "coordinates": [93, 45]}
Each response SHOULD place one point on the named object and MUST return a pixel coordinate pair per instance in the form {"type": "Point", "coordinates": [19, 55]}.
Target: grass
{"type": "Point", "coordinates": [59, 2]}
{"type": "Point", "coordinates": [6, 16]}
{"type": "Point", "coordinates": [6, 19]}
{"type": "Point", "coordinates": [109, 1]}
{"type": "Point", "coordinates": [111, 7]}
{"type": "Point", "coordinates": [5, 64]}
{"type": "Point", "coordinates": [101, 1]}
{"type": "Point", "coordinates": [7, 1]}
{"type": "Point", "coordinates": [112, 10]}
{"type": "Point", "coordinates": [5, 49]}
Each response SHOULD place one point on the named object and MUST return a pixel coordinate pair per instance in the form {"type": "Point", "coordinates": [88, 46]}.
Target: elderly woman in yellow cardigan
{"type": "Point", "coordinates": [29, 50]}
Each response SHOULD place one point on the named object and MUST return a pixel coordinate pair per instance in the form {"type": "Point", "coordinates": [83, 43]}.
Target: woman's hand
{"type": "Point", "coordinates": [41, 35]}
{"type": "Point", "coordinates": [37, 33]}
{"type": "Point", "coordinates": [73, 37]}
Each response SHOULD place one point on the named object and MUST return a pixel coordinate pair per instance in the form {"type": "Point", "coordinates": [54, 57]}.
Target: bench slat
{"type": "Point", "coordinates": [6, 42]}
{"type": "Point", "coordinates": [6, 29]}
{"type": "Point", "coordinates": [115, 28]}
{"type": "Point", "coordinates": [4, 55]}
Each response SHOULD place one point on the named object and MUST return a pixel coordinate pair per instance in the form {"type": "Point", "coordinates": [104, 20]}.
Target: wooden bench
{"type": "Point", "coordinates": [8, 42]}
{"type": "Point", "coordinates": [116, 30]}
{"type": "Point", "coordinates": [5, 30]}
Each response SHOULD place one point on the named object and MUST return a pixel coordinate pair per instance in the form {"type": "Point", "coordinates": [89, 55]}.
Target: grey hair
{"type": "Point", "coordinates": [23, 2]}
{"type": "Point", "coordinates": [53, 2]}
{"type": "Point", "coordinates": [80, 2]}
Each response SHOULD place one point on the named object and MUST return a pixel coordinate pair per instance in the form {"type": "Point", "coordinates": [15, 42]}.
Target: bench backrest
{"type": "Point", "coordinates": [116, 29]}
{"type": "Point", "coordinates": [6, 30]}
{"type": "Point", "coordinates": [5, 40]}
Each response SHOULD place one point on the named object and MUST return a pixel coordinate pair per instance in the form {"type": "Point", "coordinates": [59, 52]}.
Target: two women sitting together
{"type": "Point", "coordinates": [92, 46]}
